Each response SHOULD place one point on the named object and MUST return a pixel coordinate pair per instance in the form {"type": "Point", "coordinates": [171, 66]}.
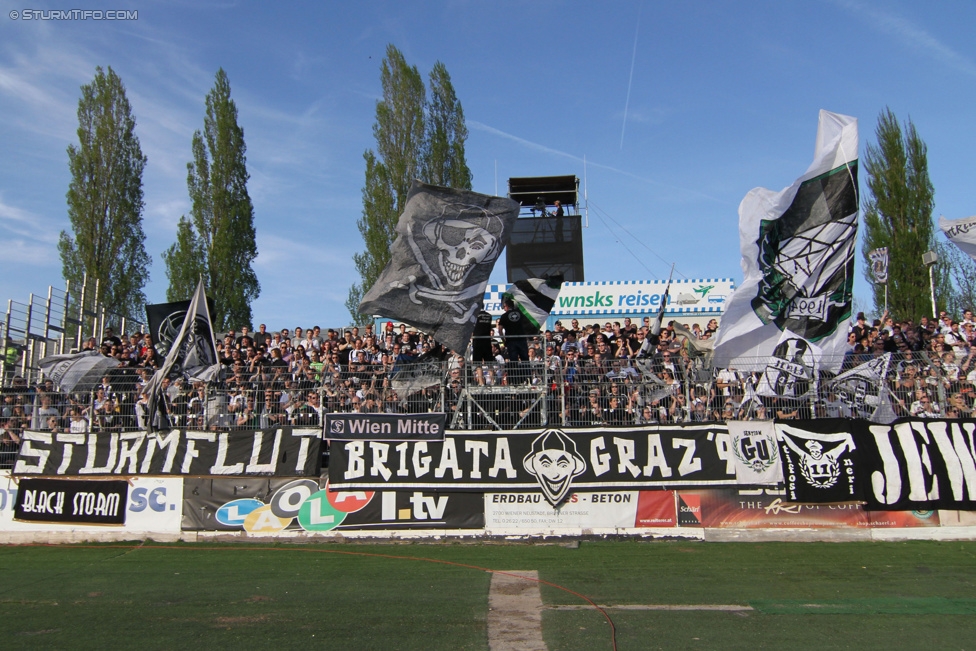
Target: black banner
{"type": "Point", "coordinates": [166, 319]}
{"type": "Point", "coordinates": [552, 461]}
{"type": "Point", "coordinates": [386, 427]}
{"type": "Point", "coordinates": [270, 506]}
{"type": "Point", "coordinates": [918, 464]}
{"type": "Point", "coordinates": [287, 452]}
{"type": "Point", "coordinates": [66, 501]}
{"type": "Point", "coordinates": [819, 460]}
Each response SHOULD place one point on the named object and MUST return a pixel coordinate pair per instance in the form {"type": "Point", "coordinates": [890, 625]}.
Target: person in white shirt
{"type": "Point", "coordinates": [79, 424]}
{"type": "Point", "coordinates": [924, 407]}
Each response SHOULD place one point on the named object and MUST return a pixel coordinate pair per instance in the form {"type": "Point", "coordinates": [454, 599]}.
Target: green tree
{"type": "Point", "coordinates": [400, 136]}
{"type": "Point", "coordinates": [898, 215]}
{"type": "Point", "coordinates": [959, 274]}
{"type": "Point", "coordinates": [414, 140]}
{"type": "Point", "coordinates": [217, 241]}
{"type": "Point", "coordinates": [105, 200]}
{"type": "Point", "coordinates": [445, 163]}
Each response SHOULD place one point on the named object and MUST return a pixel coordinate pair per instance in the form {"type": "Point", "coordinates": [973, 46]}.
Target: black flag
{"type": "Point", "coordinates": [447, 243]}
{"type": "Point", "coordinates": [193, 354]}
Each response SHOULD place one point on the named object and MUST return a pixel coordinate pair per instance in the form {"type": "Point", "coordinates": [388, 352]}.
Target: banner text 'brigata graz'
{"type": "Point", "coordinates": [551, 460]}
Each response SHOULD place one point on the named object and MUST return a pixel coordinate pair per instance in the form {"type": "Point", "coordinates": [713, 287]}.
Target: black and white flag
{"type": "Point", "coordinates": [962, 233]}
{"type": "Point", "coordinates": [819, 461]}
{"type": "Point", "coordinates": [864, 391]}
{"type": "Point", "coordinates": [165, 320]}
{"type": "Point", "coordinates": [798, 260]}
{"type": "Point", "coordinates": [193, 355]}
{"type": "Point", "coordinates": [421, 372]}
{"type": "Point", "coordinates": [447, 244]}
{"type": "Point", "coordinates": [879, 265]}
{"type": "Point", "coordinates": [78, 371]}
{"type": "Point", "coordinates": [534, 298]}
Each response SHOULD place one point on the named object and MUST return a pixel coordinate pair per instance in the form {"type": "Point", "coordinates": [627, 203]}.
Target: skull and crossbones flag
{"type": "Point", "coordinates": [447, 243]}
{"type": "Point", "coordinates": [798, 259]}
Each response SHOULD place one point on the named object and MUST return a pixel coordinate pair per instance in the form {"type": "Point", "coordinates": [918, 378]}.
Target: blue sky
{"type": "Point", "coordinates": [678, 110]}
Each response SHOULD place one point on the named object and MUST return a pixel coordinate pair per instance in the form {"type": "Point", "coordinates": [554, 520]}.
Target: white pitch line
{"type": "Point", "coordinates": [515, 612]}
{"type": "Point", "coordinates": [729, 608]}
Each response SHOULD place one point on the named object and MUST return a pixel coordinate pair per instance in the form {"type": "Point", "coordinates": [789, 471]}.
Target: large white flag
{"type": "Point", "coordinates": [79, 371]}
{"type": "Point", "coordinates": [961, 232]}
{"type": "Point", "coordinates": [797, 261]}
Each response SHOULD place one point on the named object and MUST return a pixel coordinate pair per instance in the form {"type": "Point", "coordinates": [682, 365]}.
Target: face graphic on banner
{"type": "Point", "coordinates": [449, 248]}
{"type": "Point", "coordinates": [819, 466]}
{"type": "Point", "coordinates": [461, 244]}
{"type": "Point", "coordinates": [554, 462]}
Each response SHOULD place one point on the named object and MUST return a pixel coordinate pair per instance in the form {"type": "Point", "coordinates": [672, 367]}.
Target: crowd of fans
{"type": "Point", "coordinates": [580, 375]}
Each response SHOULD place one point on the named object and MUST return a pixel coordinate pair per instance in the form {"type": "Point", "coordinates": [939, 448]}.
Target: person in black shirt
{"type": "Point", "coordinates": [516, 330]}
{"type": "Point", "coordinates": [481, 342]}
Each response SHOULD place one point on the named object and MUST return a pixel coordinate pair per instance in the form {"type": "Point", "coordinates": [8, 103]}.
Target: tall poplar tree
{"type": "Point", "coordinates": [898, 215]}
{"type": "Point", "coordinates": [105, 200]}
{"type": "Point", "coordinates": [445, 163]}
{"type": "Point", "coordinates": [414, 140]}
{"type": "Point", "coordinates": [217, 241]}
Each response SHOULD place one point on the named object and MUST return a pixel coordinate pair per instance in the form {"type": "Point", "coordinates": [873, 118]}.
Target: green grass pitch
{"type": "Point", "coordinates": [864, 595]}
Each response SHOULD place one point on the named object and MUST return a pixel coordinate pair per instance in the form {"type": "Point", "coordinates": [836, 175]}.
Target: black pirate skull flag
{"type": "Point", "coordinates": [447, 243]}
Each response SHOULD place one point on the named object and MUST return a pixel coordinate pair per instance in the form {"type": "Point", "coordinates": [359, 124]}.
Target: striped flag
{"type": "Point", "coordinates": [879, 265]}
{"type": "Point", "coordinates": [535, 297]}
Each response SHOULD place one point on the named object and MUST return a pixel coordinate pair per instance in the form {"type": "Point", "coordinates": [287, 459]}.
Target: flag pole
{"type": "Point", "coordinates": [659, 321]}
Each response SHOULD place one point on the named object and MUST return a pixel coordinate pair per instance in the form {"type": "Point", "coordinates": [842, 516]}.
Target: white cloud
{"type": "Point", "coordinates": [912, 35]}
{"type": "Point", "coordinates": [33, 228]}
{"type": "Point", "coordinates": [474, 124]}
{"type": "Point", "coordinates": [22, 251]}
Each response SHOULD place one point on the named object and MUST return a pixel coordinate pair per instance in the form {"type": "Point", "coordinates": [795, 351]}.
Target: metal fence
{"type": "Point", "coordinates": [58, 323]}
{"type": "Point", "coordinates": [560, 390]}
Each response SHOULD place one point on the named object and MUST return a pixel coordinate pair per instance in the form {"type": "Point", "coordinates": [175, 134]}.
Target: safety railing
{"type": "Point", "coordinates": [561, 389]}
